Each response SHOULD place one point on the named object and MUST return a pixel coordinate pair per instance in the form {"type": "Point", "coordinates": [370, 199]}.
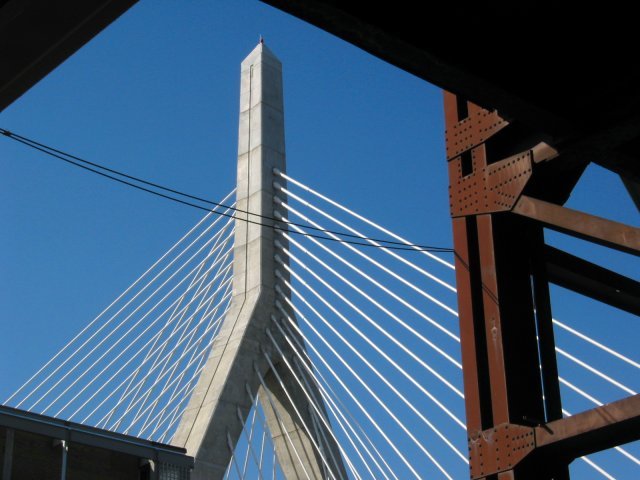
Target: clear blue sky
{"type": "Point", "coordinates": [156, 95]}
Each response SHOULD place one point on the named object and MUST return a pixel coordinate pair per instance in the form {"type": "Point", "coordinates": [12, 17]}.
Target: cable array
{"type": "Point", "coordinates": [390, 320]}
{"type": "Point", "coordinates": [369, 337]}
{"type": "Point", "coordinates": [134, 366]}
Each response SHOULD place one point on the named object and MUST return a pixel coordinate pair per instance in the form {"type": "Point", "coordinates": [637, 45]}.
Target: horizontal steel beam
{"type": "Point", "coordinates": [592, 280]}
{"type": "Point", "coordinates": [594, 430]}
{"type": "Point", "coordinates": [582, 225]}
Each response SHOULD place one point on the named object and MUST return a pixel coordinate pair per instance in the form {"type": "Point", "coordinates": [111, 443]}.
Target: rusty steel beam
{"type": "Point", "coordinates": [507, 447]}
{"type": "Point", "coordinates": [497, 256]}
{"type": "Point", "coordinates": [592, 280]}
{"type": "Point", "coordinates": [503, 269]}
{"type": "Point", "coordinates": [598, 429]}
{"type": "Point", "coordinates": [582, 225]}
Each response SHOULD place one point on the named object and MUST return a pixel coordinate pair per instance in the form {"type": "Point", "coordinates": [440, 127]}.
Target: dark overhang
{"type": "Point", "coordinates": [37, 35]}
{"type": "Point", "coordinates": [543, 64]}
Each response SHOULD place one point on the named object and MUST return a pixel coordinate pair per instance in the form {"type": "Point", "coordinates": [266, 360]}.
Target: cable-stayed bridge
{"type": "Point", "coordinates": [286, 336]}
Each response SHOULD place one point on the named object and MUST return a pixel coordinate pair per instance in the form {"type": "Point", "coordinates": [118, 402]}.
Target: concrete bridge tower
{"type": "Point", "coordinates": [211, 418]}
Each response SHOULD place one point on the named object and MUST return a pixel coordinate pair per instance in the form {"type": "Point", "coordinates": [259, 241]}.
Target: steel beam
{"type": "Point", "coordinates": [592, 280]}
{"type": "Point", "coordinates": [508, 448]}
{"type": "Point", "coordinates": [503, 269]}
{"type": "Point", "coordinates": [582, 225]}
{"type": "Point", "coordinates": [598, 429]}
{"type": "Point", "coordinates": [497, 254]}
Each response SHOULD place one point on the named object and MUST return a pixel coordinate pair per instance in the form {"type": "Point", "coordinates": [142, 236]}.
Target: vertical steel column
{"type": "Point", "coordinates": [503, 298]}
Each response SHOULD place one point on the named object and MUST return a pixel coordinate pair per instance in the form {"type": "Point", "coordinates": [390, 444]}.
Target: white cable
{"type": "Point", "coordinates": [371, 242]}
{"type": "Point", "coordinates": [317, 376]}
{"type": "Point", "coordinates": [316, 432]}
{"type": "Point", "coordinates": [200, 339]}
{"type": "Point", "coordinates": [184, 329]}
{"type": "Point", "coordinates": [186, 386]}
{"type": "Point", "coordinates": [351, 395]}
{"type": "Point", "coordinates": [264, 434]}
{"type": "Point", "coordinates": [274, 463]}
{"type": "Point", "coordinates": [379, 375]}
{"type": "Point", "coordinates": [590, 462]}
{"type": "Point", "coordinates": [369, 259]}
{"type": "Point", "coordinates": [372, 280]}
{"type": "Point", "coordinates": [179, 324]}
{"type": "Point", "coordinates": [365, 220]}
{"type": "Point", "coordinates": [315, 401]}
{"type": "Point", "coordinates": [233, 456]}
{"type": "Point", "coordinates": [295, 409]}
{"type": "Point", "coordinates": [349, 438]}
{"type": "Point", "coordinates": [307, 392]}
{"type": "Point", "coordinates": [201, 365]}
{"type": "Point", "coordinates": [399, 344]}
{"type": "Point", "coordinates": [251, 431]}
{"type": "Point", "coordinates": [211, 326]}
{"type": "Point", "coordinates": [116, 328]}
{"type": "Point", "coordinates": [161, 393]}
{"type": "Point", "coordinates": [338, 415]}
{"type": "Point", "coordinates": [121, 309]}
{"type": "Point", "coordinates": [87, 370]}
{"type": "Point", "coordinates": [597, 468]}
{"type": "Point", "coordinates": [127, 290]}
{"type": "Point", "coordinates": [104, 384]}
{"type": "Point", "coordinates": [595, 343]}
{"type": "Point", "coordinates": [186, 351]}
{"type": "Point", "coordinates": [249, 445]}
{"type": "Point", "coordinates": [386, 382]}
{"type": "Point", "coordinates": [202, 320]}
{"type": "Point", "coordinates": [148, 353]}
{"type": "Point", "coordinates": [595, 371]}
{"type": "Point", "coordinates": [201, 354]}
{"type": "Point", "coordinates": [278, 419]}
{"type": "Point", "coordinates": [261, 413]}
{"type": "Point", "coordinates": [580, 392]}
{"type": "Point", "coordinates": [406, 326]}
{"type": "Point", "coordinates": [160, 377]}
{"type": "Point", "coordinates": [397, 237]}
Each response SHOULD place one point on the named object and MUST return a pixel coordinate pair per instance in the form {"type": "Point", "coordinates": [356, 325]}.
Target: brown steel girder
{"type": "Point", "coordinates": [500, 205]}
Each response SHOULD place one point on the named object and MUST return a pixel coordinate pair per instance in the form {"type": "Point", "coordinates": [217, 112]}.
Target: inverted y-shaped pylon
{"type": "Point", "coordinates": [243, 357]}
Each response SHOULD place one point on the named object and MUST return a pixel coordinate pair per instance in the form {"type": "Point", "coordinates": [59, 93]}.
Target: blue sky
{"type": "Point", "coordinates": [156, 95]}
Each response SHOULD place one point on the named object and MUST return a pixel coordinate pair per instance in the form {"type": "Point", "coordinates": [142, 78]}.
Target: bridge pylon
{"type": "Point", "coordinates": [243, 354]}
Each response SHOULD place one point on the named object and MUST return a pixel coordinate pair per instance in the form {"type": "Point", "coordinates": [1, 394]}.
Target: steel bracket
{"type": "Point", "coordinates": [472, 131]}
{"type": "Point", "coordinates": [499, 449]}
{"type": "Point", "coordinates": [489, 188]}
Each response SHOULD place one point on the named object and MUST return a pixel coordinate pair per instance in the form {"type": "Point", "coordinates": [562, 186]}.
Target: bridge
{"type": "Point", "coordinates": [287, 336]}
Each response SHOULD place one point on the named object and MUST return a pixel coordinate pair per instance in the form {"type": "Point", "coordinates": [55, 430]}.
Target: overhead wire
{"type": "Point", "coordinates": [113, 175]}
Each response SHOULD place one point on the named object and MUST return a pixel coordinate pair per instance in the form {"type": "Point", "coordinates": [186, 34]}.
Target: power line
{"type": "Point", "coordinates": [114, 174]}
